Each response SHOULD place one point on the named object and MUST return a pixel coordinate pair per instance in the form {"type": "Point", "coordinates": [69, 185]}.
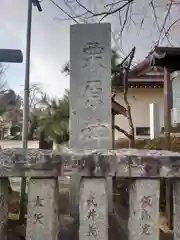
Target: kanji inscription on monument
{"type": "Point", "coordinates": [93, 208]}
{"type": "Point", "coordinates": [144, 209]}
{"type": "Point", "coordinates": [93, 93]}
{"type": "Point", "coordinates": [94, 131]}
{"type": "Point", "coordinates": [93, 60]}
{"type": "Point", "coordinates": [90, 121]}
{"type": "Point", "coordinates": [90, 96]}
{"type": "Point", "coordinates": [42, 221]}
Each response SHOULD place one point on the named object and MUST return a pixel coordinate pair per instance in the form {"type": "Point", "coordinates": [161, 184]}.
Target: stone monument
{"type": "Point", "coordinates": [90, 119]}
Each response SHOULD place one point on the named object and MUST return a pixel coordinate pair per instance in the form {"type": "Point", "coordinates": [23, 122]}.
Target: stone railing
{"type": "Point", "coordinates": [145, 167]}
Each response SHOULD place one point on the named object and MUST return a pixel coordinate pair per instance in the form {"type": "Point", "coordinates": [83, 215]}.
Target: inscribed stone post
{"type": "Point", "coordinates": [42, 219]}
{"type": "Point", "coordinates": [144, 210]}
{"type": "Point", "coordinates": [93, 209]}
{"type": "Point", "coordinates": [90, 96]}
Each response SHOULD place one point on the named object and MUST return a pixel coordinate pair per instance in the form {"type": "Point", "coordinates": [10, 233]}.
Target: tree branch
{"type": "Point", "coordinates": [170, 27]}
{"type": "Point", "coordinates": [122, 131]}
{"type": "Point", "coordinates": [114, 3]}
{"type": "Point", "coordinates": [125, 20]}
{"type": "Point", "coordinates": [127, 105]}
{"type": "Point", "coordinates": [155, 15]}
{"type": "Point", "coordinates": [105, 13]}
{"type": "Point", "coordinates": [118, 108]}
{"type": "Point", "coordinates": [165, 20]}
{"type": "Point", "coordinates": [62, 10]}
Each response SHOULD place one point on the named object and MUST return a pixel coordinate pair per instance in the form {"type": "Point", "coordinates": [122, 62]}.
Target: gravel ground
{"type": "Point", "coordinates": [17, 144]}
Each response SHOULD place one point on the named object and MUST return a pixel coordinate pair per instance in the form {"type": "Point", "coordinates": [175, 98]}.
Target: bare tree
{"type": "Point", "coordinates": [123, 72]}
{"type": "Point", "coordinates": [10, 102]}
{"type": "Point", "coordinates": [36, 98]}
{"type": "Point", "coordinates": [161, 15]}
{"type": "Point", "coordinates": [35, 95]}
{"type": "Point", "coordinates": [82, 11]}
{"type": "Point", "coordinates": [3, 83]}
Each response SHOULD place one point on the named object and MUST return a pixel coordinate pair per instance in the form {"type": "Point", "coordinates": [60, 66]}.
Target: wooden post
{"type": "Point", "coordinates": [144, 210]}
{"type": "Point", "coordinates": [167, 134]}
{"type": "Point", "coordinates": [113, 130]}
{"type": "Point", "coordinates": [176, 215]}
{"type": "Point", "coordinates": [90, 97]}
{"type": "Point", "coordinates": [167, 108]}
{"type": "Point", "coordinates": [3, 208]}
{"type": "Point", "coordinates": [42, 219]}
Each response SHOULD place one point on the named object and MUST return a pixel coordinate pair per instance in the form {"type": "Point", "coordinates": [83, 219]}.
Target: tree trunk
{"type": "Point", "coordinates": [43, 143]}
{"type": "Point", "coordinates": [31, 132]}
{"type": "Point", "coordinates": [131, 125]}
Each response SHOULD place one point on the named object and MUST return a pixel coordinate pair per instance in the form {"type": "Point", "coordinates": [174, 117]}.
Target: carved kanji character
{"type": "Point", "coordinates": [39, 202]}
{"type": "Point", "coordinates": [37, 217]}
{"type": "Point", "coordinates": [92, 201]}
{"type": "Point", "coordinates": [92, 230]}
{"type": "Point", "coordinates": [91, 214]}
{"type": "Point", "coordinates": [146, 201]}
{"type": "Point", "coordinates": [145, 215]}
{"type": "Point", "coordinates": [145, 229]}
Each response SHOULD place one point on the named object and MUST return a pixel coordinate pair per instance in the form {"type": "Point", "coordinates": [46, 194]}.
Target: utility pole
{"type": "Point", "coordinates": [26, 98]}
{"type": "Point", "coordinates": [26, 83]}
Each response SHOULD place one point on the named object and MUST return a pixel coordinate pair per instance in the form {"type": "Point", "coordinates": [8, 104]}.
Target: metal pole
{"type": "Point", "coordinates": [26, 104]}
{"type": "Point", "coordinates": [26, 84]}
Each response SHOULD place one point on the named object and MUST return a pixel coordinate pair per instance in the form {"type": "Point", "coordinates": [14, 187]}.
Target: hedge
{"type": "Point", "coordinates": [158, 143]}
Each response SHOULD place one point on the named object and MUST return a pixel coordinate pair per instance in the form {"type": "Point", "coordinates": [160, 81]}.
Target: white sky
{"type": "Point", "coordinates": [49, 49]}
{"type": "Point", "coordinates": [50, 41]}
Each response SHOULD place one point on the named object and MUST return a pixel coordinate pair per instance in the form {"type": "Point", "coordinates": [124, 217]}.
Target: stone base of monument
{"type": "Point", "coordinates": [69, 226]}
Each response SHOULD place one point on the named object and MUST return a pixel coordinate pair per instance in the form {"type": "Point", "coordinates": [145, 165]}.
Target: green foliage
{"type": "Point", "coordinates": [114, 58]}
{"type": "Point", "coordinates": [158, 143]}
{"type": "Point", "coordinates": [115, 68]}
{"type": "Point", "coordinates": [14, 130]}
{"type": "Point", "coordinates": [55, 120]}
{"type": "Point", "coordinates": [2, 110]}
{"type": "Point", "coordinates": [50, 117]}
{"type": "Point", "coordinates": [66, 68]}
